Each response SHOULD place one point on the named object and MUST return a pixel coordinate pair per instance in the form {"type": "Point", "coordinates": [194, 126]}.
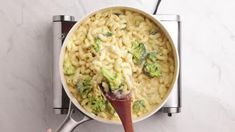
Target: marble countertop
{"type": "Point", "coordinates": [208, 50]}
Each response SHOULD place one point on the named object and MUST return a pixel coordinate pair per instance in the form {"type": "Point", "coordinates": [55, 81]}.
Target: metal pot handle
{"type": "Point", "coordinates": [69, 124]}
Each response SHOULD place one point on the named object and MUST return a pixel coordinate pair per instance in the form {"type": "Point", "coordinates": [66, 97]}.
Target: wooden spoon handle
{"type": "Point", "coordinates": [127, 123]}
{"type": "Point", "coordinates": [124, 112]}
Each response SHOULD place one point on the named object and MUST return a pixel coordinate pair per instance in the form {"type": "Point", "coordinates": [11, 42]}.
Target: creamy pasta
{"type": "Point", "coordinates": [124, 51]}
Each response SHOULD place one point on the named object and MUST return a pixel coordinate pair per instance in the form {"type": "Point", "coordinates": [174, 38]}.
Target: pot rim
{"type": "Point", "coordinates": [61, 59]}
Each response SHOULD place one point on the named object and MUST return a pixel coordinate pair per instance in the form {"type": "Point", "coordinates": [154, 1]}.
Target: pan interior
{"type": "Point", "coordinates": [162, 84]}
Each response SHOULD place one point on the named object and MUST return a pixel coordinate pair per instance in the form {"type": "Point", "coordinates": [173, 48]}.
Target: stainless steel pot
{"type": "Point", "coordinates": [69, 123]}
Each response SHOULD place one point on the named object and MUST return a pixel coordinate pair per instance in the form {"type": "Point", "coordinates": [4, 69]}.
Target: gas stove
{"type": "Point", "coordinates": [61, 26]}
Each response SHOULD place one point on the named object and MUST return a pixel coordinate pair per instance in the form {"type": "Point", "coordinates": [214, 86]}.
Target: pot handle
{"type": "Point", "coordinates": [69, 124]}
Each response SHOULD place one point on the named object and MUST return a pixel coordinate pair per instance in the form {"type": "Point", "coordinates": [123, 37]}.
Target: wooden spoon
{"type": "Point", "coordinates": [122, 105]}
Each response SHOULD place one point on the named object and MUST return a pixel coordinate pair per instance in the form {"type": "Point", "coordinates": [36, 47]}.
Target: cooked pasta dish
{"type": "Point", "coordinates": [123, 51]}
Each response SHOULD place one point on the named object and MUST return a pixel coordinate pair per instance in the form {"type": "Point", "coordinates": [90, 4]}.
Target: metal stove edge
{"type": "Point", "coordinates": [173, 104]}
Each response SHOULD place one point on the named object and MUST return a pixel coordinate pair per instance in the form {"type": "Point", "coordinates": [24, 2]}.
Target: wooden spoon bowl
{"type": "Point", "coordinates": [122, 105]}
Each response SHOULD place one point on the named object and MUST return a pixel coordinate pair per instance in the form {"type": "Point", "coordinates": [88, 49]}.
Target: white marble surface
{"type": "Point", "coordinates": [208, 46]}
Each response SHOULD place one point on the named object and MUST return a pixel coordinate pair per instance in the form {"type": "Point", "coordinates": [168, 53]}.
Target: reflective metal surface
{"type": "Point", "coordinates": [61, 26]}
{"type": "Point", "coordinates": [60, 18]}
{"type": "Point", "coordinates": [173, 26]}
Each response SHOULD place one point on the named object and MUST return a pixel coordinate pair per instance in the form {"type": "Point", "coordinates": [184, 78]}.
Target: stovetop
{"type": "Point", "coordinates": [61, 26]}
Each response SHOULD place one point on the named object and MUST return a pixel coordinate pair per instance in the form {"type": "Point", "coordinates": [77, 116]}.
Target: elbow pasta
{"type": "Point", "coordinates": [113, 32]}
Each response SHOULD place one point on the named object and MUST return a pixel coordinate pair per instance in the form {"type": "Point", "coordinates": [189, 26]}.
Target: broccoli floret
{"type": "Point", "coordinates": [114, 80]}
{"type": "Point", "coordinates": [96, 45]}
{"type": "Point", "coordinates": [138, 106]}
{"type": "Point", "coordinates": [68, 68]}
{"type": "Point", "coordinates": [97, 104]}
{"type": "Point", "coordinates": [138, 52]}
{"type": "Point", "coordinates": [152, 69]}
{"type": "Point", "coordinates": [151, 57]}
{"type": "Point", "coordinates": [108, 34]}
{"type": "Point", "coordinates": [84, 87]}
{"type": "Point", "coordinates": [151, 66]}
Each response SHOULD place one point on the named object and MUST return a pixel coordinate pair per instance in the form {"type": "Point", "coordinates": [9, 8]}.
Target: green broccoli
{"type": "Point", "coordinates": [138, 106]}
{"type": "Point", "coordinates": [151, 66]}
{"type": "Point", "coordinates": [115, 80]}
{"type": "Point", "coordinates": [108, 34]}
{"type": "Point", "coordinates": [138, 52]}
{"type": "Point", "coordinates": [68, 68]}
{"type": "Point", "coordinates": [97, 104]}
{"type": "Point", "coordinates": [151, 57]}
{"type": "Point", "coordinates": [152, 69]}
{"type": "Point", "coordinates": [96, 45]}
{"type": "Point", "coordinates": [84, 86]}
